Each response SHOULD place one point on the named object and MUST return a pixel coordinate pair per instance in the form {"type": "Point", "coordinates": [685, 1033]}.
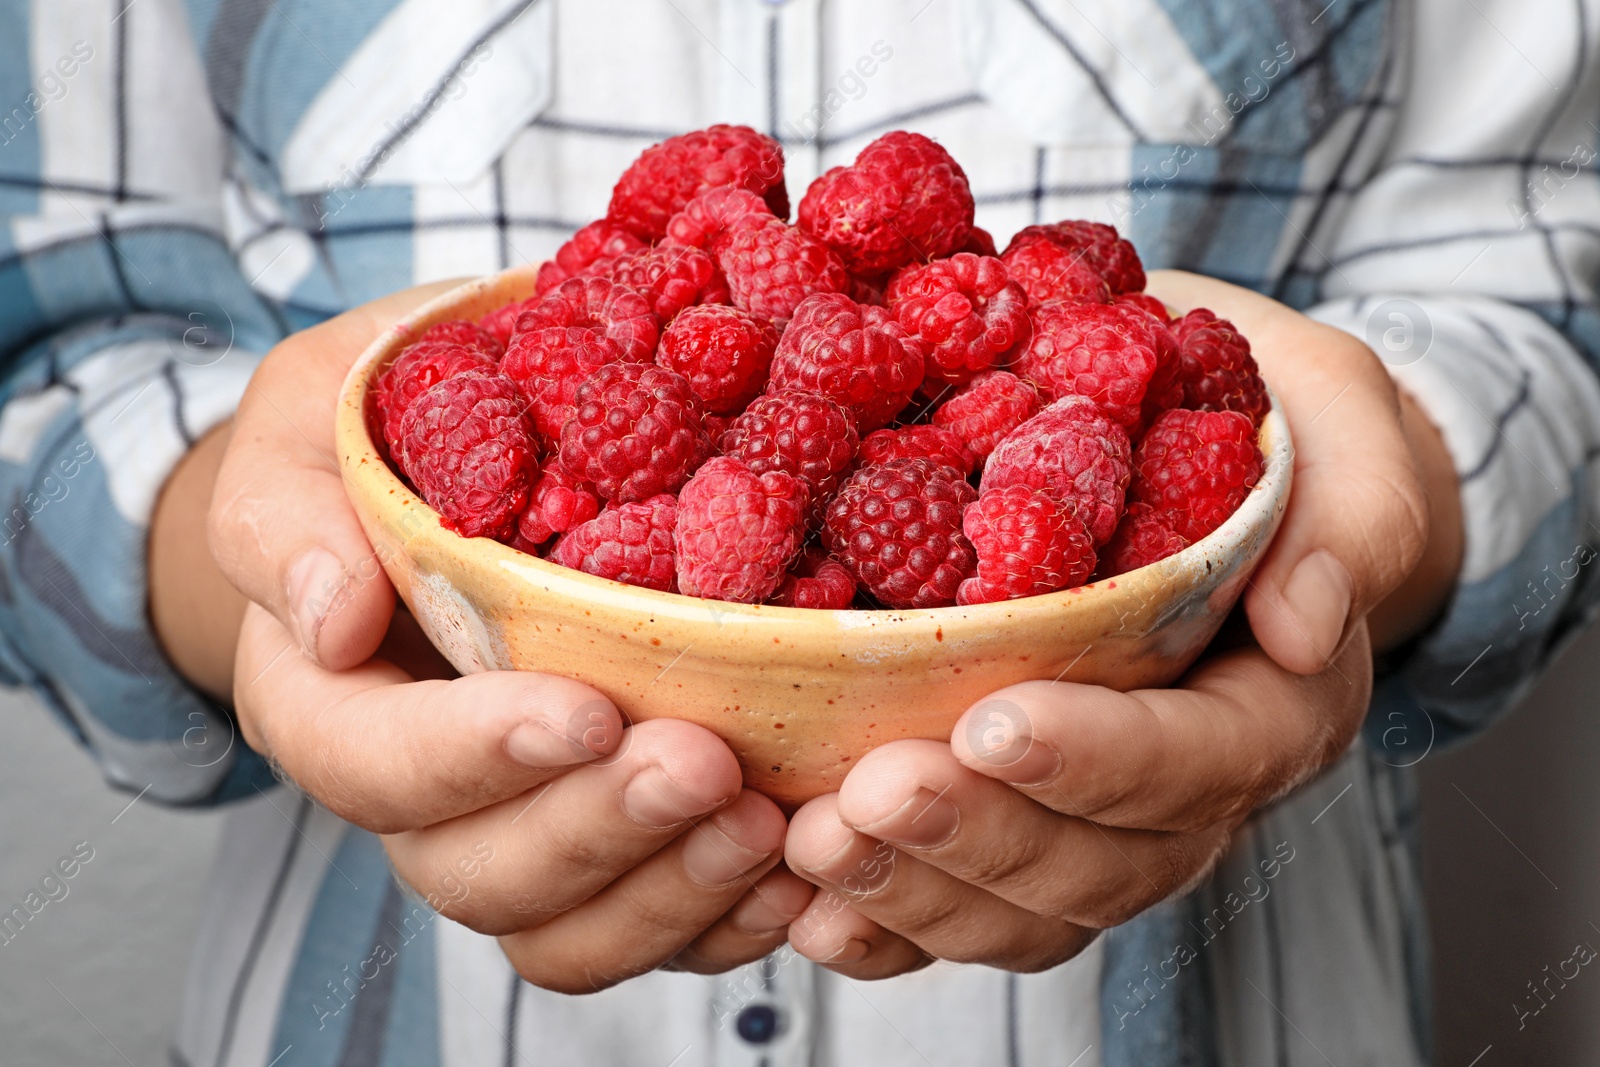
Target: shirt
{"type": "Point", "coordinates": [182, 184]}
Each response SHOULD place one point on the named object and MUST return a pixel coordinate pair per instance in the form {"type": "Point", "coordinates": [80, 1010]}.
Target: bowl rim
{"type": "Point", "coordinates": [1261, 507]}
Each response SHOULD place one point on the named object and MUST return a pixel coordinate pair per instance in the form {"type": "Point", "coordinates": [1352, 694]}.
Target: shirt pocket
{"type": "Point", "coordinates": [1258, 75]}
{"type": "Point", "coordinates": [434, 94]}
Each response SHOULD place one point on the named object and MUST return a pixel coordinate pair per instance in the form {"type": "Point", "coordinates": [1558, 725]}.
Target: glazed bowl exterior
{"type": "Point", "coordinates": [798, 694]}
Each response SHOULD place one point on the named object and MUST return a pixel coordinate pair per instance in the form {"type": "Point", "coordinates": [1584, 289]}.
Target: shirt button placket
{"type": "Point", "coordinates": [764, 1014]}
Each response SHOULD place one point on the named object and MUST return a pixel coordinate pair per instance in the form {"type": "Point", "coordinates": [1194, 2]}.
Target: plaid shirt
{"type": "Point", "coordinates": [182, 184]}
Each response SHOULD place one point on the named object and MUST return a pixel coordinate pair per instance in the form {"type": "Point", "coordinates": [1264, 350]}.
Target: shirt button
{"type": "Point", "coordinates": [758, 1024]}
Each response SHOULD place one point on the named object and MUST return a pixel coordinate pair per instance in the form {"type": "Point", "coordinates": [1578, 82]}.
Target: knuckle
{"type": "Point", "coordinates": [1004, 863]}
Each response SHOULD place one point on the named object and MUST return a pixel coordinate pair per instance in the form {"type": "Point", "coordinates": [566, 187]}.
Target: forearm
{"type": "Point", "coordinates": [196, 613]}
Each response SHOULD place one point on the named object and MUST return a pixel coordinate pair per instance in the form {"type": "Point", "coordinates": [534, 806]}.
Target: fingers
{"type": "Point", "coordinates": [280, 526]}
{"type": "Point", "coordinates": [390, 754]}
{"type": "Point", "coordinates": [648, 915]}
{"type": "Point", "coordinates": [754, 927]}
{"type": "Point", "coordinates": [916, 796]}
{"type": "Point", "coordinates": [558, 846]}
{"type": "Point", "coordinates": [834, 934]}
{"type": "Point", "coordinates": [1240, 732]}
{"type": "Point", "coordinates": [1358, 519]}
{"type": "Point", "coordinates": [939, 913]}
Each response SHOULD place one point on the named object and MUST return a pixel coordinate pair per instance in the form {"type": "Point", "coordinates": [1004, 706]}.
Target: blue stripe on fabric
{"type": "Point", "coordinates": [298, 49]}
{"type": "Point", "coordinates": [413, 1036]}
{"type": "Point", "coordinates": [1147, 1017]}
{"type": "Point", "coordinates": [19, 125]}
{"type": "Point", "coordinates": [362, 258]}
{"type": "Point", "coordinates": [202, 16]}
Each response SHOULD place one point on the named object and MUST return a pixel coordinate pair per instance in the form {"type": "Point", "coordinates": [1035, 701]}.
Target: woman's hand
{"type": "Point", "coordinates": [611, 850]}
{"type": "Point", "coordinates": [1096, 805]}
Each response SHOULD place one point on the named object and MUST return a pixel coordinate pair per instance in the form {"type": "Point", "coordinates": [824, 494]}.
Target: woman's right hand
{"type": "Point", "coordinates": [519, 804]}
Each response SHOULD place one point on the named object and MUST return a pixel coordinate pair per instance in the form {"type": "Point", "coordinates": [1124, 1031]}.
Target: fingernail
{"type": "Point", "coordinates": [533, 744]}
{"type": "Point", "coordinates": [316, 584]}
{"type": "Point", "coordinates": [1020, 759]}
{"type": "Point", "coordinates": [755, 916]}
{"type": "Point", "coordinates": [1318, 594]}
{"type": "Point", "coordinates": [653, 799]}
{"type": "Point", "coordinates": [925, 820]}
{"type": "Point", "coordinates": [712, 858]}
{"type": "Point", "coordinates": [854, 951]}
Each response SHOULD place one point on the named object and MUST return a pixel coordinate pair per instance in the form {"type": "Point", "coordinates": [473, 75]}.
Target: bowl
{"type": "Point", "coordinates": [798, 694]}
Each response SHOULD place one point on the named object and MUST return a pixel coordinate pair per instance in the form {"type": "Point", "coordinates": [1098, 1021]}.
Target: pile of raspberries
{"type": "Point", "coordinates": [872, 407]}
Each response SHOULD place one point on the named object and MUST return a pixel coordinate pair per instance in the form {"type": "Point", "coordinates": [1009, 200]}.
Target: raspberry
{"type": "Point", "coordinates": [1049, 272]}
{"type": "Point", "coordinates": [987, 409]}
{"type": "Point", "coordinates": [1027, 544]}
{"type": "Point", "coordinates": [903, 200]}
{"type": "Point", "coordinates": [1217, 371]}
{"type": "Point", "coordinates": [928, 442]}
{"type": "Point", "coordinates": [416, 369]}
{"type": "Point", "coordinates": [589, 252]}
{"type": "Point", "coordinates": [706, 221]}
{"type": "Point", "coordinates": [856, 356]}
{"type": "Point", "coordinates": [1194, 468]}
{"type": "Point", "coordinates": [897, 527]}
{"type": "Point", "coordinates": [672, 278]}
{"type": "Point", "coordinates": [557, 503]}
{"type": "Point", "coordinates": [737, 531]}
{"type": "Point", "coordinates": [801, 433]}
{"type": "Point", "coordinates": [630, 543]}
{"type": "Point", "coordinates": [1104, 252]}
{"type": "Point", "coordinates": [815, 581]}
{"type": "Point", "coordinates": [501, 323]}
{"type": "Point", "coordinates": [1166, 386]}
{"type": "Point", "coordinates": [965, 310]}
{"type": "Point", "coordinates": [1101, 351]}
{"type": "Point", "coordinates": [549, 364]}
{"type": "Point", "coordinates": [1147, 303]}
{"type": "Point", "coordinates": [670, 174]}
{"type": "Point", "coordinates": [1142, 538]}
{"type": "Point", "coordinates": [462, 332]}
{"type": "Point", "coordinates": [466, 445]}
{"type": "Point", "coordinates": [980, 242]}
{"type": "Point", "coordinates": [871, 289]}
{"type": "Point", "coordinates": [1073, 452]}
{"type": "Point", "coordinates": [724, 352]}
{"type": "Point", "coordinates": [635, 432]}
{"type": "Point", "coordinates": [622, 314]}
{"type": "Point", "coordinates": [771, 267]}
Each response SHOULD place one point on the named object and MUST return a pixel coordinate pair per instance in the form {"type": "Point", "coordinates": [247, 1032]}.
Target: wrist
{"type": "Point", "coordinates": [195, 612]}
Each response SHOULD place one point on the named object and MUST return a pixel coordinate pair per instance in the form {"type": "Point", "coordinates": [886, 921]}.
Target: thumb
{"type": "Point", "coordinates": [281, 528]}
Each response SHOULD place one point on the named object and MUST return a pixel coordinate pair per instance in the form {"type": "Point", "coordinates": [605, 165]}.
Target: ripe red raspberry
{"type": "Point", "coordinates": [980, 242]}
{"type": "Point", "coordinates": [706, 221]}
{"type": "Point", "coordinates": [501, 323]}
{"type": "Point", "coordinates": [909, 442]}
{"type": "Point", "coordinates": [738, 531]}
{"type": "Point", "coordinates": [1101, 351]}
{"type": "Point", "coordinates": [670, 174]}
{"type": "Point", "coordinates": [903, 200]}
{"type": "Point", "coordinates": [987, 409]}
{"type": "Point", "coordinates": [672, 278]}
{"type": "Point", "coordinates": [589, 252]}
{"type": "Point", "coordinates": [966, 311]}
{"type": "Point", "coordinates": [466, 445]}
{"type": "Point", "coordinates": [1142, 538]}
{"type": "Point", "coordinates": [629, 543]}
{"type": "Point", "coordinates": [856, 356]}
{"type": "Point", "coordinates": [801, 433]}
{"type": "Point", "coordinates": [771, 267]}
{"type": "Point", "coordinates": [1104, 252]}
{"type": "Point", "coordinates": [462, 332]}
{"type": "Point", "coordinates": [549, 364]}
{"type": "Point", "coordinates": [1048, 272]}
{"type": "Point", "coordinates": [724, 352]}
{"type": "Point", "coordinates": [623, 314]}
{"type": "Point", "coordinates": [1166, 385]}
{"type": "Point", "coordinates": [1147, 303]}
{"type": "Point", "coordinates": [870, 289]}
{"type": "Point", "coordinates": [416, 369]}
{"type": "Point", "coordinates": [557, 503]}
{"type": "Point", "coordinates": [1027, 544]}
{"type": "Point", "coordinates": [1195, 468]}
{"type": "Point", "coordinates": [1217, 371]}
{"type": "Point", "coordinates": [635, 432]}
{"type": "Point", "coordinates": [1073, 452]}
{"type": "Point", "coordinates": [815, 581]}
{"type": "Point", "coordinates": [897, 527]}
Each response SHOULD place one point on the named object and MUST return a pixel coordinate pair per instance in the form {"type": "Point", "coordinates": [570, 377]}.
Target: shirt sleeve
{"type": "Point", "coordinates": [1469, 261]}
{"type": "Point", "coordinates": [127, 331]}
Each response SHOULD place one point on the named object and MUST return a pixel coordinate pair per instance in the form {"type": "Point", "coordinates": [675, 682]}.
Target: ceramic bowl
{"type": "Point", "coordinates": [798, 694]}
